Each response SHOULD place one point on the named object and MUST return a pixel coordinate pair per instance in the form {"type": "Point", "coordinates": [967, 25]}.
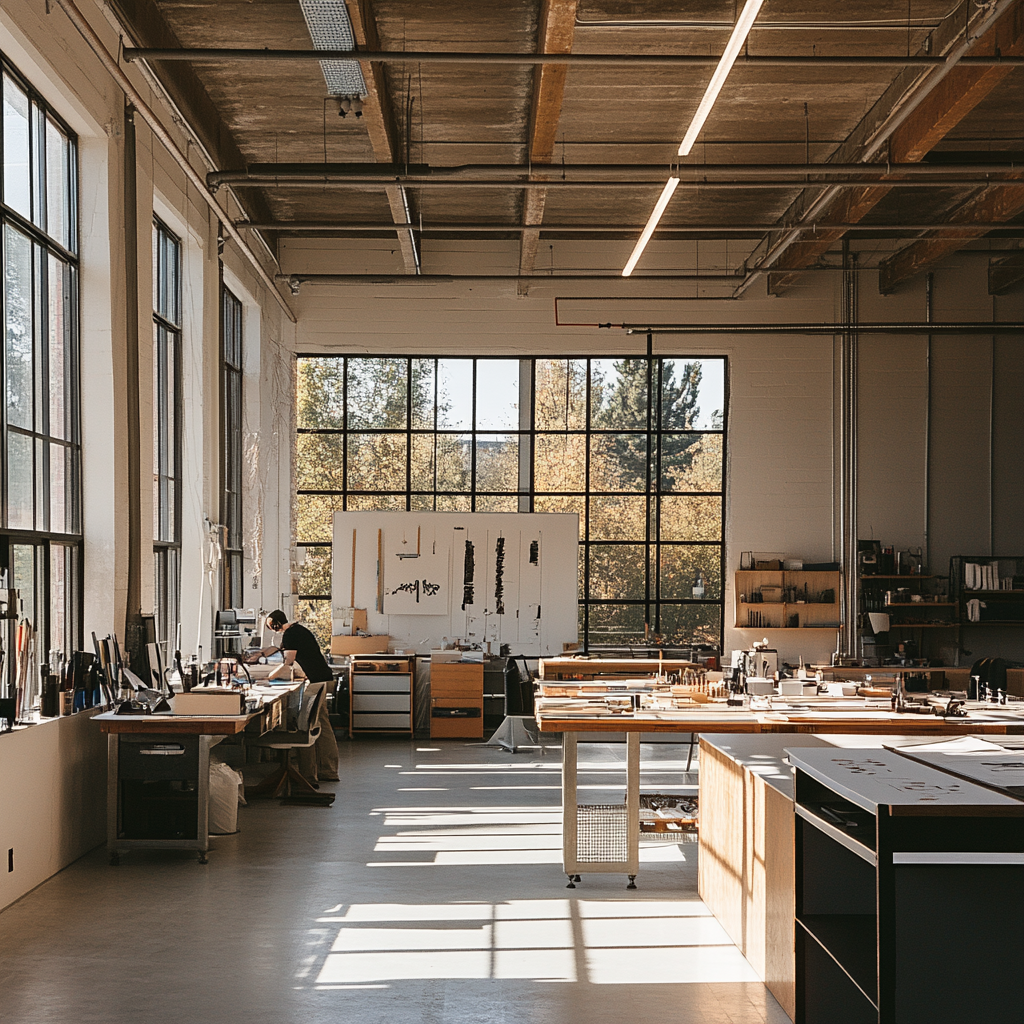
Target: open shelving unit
{"type": "Point", "coordinates": [898, 864]}
{"type": "Point", "coordinates": [807, 611]}
{"type": "Point", "coordinates": [1000, 608]}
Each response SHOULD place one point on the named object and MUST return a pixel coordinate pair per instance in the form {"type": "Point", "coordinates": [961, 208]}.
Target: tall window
{"type": "Point", "coordinates": [40, 518]}
{"type": "Point", "coordinates": [635, 447]}
{"type": "Point", "coordinates": [166, 430]}
{"type": "Point", "coordinates": [231, 444]}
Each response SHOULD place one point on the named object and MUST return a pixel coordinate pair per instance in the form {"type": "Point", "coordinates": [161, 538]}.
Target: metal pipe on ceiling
{"type": "Point", "coordinates": [295, 281]}
{"type": "Point", "coordinates": [149, 116]}
{"type": "Point", "coordinates": [754, 230]}
{"type": "Point", "coordinates": [922, 328]}
{"type": "Point", "coordinates": [249, 55]}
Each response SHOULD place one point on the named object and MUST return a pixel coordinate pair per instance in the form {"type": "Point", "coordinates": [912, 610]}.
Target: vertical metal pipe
{"type": "Point", "coordinates": [929, 284]}
{"type": "Point", "coordinates": [992, 442]}
{"type": "Point", "coordinates": [848, 460]}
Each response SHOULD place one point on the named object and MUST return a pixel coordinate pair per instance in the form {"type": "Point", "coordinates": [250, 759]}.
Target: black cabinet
{"type": "Point", "coordinates": [909, 893]}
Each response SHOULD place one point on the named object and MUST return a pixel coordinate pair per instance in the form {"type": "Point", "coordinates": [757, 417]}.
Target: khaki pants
{"type": "Point", "coordinates": [320, 760]}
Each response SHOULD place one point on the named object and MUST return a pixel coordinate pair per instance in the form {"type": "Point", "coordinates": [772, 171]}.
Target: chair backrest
{"type": "Point", "coordinates": [309, 705]}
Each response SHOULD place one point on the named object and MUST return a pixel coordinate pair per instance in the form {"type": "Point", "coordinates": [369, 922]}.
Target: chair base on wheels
{"type": "Point", "coordinates": [288, 783]}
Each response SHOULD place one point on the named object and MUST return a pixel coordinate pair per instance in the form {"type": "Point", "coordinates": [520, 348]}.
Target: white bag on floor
{"type": "Point", "coordinates": [225, 786]}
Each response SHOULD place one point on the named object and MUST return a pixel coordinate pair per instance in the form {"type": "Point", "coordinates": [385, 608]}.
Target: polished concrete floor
{"type": "Point", "coordinates": [431, 893]}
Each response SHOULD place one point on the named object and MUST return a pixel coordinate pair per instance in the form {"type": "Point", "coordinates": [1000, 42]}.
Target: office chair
{"type": "Point", "coordinates": [287, 781]}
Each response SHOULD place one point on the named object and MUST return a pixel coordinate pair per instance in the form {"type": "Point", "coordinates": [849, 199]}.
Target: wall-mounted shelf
{"type": "Point", "coordinates": [805, 613]}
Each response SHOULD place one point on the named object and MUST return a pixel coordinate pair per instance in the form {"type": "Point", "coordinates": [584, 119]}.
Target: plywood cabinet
{"type": "Point", "coordinates": [456, 700]}
{"type": "Point", "coordinates": [381, 694]}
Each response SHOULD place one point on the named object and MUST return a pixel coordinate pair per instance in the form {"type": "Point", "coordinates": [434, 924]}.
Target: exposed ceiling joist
{"type": "Point", "coordinates": [945, 105]}
{"type": "Point", "coordinates": [381, 124]}
{"type": "Point", "coordinates": [1005, 272]}
{"type": "Point", "coordinates": [555, 31]}
{"type": "Point", "coordinates": [990, 205]}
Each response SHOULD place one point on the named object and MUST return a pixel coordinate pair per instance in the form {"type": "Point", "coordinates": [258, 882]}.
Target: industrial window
{"type": "Point", "coordinates": [231, 445]}
{"type": "Point", "coordinates": [40, 517]}
{"type": "Point", "coordinates": [167, 406]}
{"type": "Point", "coordinates": [636, 447]}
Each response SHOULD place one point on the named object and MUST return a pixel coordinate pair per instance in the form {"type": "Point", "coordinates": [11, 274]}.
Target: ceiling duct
{"type": "Point", "coordinates": [330, 29]}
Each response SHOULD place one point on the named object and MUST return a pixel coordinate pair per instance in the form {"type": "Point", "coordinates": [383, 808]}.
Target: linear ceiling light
{"type": "Point", "coordinates": [736, 40]}
{"type": "Point", "coordinates": [652, 223]}
{"type": "Point", "coordinates": [330, 29]}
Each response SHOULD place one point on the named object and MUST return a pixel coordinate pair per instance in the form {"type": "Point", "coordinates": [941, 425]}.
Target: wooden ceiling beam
{"type": "Point", "coordinates": [989, 205]}
{"type": "Point", "coordinates": [381, 124]}
{"type": "Point", "coordinates": [941, 111]}
{"type": "Point", "coordinates": [556, 29]}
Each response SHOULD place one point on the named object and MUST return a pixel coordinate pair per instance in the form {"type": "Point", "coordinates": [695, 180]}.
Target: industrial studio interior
{"type": "Point", "coordinates": [512, 511]}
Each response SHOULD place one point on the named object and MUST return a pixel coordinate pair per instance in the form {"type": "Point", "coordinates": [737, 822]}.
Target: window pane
{"type": "Point", "coordinates": [692, 394]}
{"type": "Point", "coordinates": [316, 617]}
{"type": "Point", "coordinates": [424, 382]}
{"type": "Point", "coordinates": [556, 503]}
{"type": "Point", "coordinates": [423, 462]}
{"type": "Point", "coordinates": [18, 328]}
{"type": "Point", "coordinates": [617, 623]}
{"type": "Point", "coordinates": [454, 452]}
{"type": "Point", "coordinates": [616, 572]}
{"type": "Point", "coordinates": [560, 397]}
{"type": "Point", "coordinates": [314, 517]}
{"type": "Point", "coordinates": [376, 462]}
{"type": "Point", "coordinates": [318, 462]}
{"type": "Point", "coordinates": [691, 462]}
{"type": "Point", "coordinates": [454, 503]}
{"type": "Point", "coordinates": [59, 599]}
{"type": "Point", "coordinates": [20, 494]}
{"type": "Point", "coordinates": [60, 369]}
{"type": "Point", "coordinates": [691, 518]}
{"type": "Point", "coordinates": [617, 518]}
{"type": "Point", "coordinates": [497, 503]}
{"type": "Point", "coordinates": [58, 182]}
{"type": "Point", "coordinates": [455, 393]}
{"type": "Point", "coordinates": [497, 462]}
{"type": "Point", "coordinates": [376, 503]}
{"type": "Point", "coordinates": [17, 190]}
{"type": "Point", "coordinates": [315, 575]}
{"type": "Point", "coordinates": [618, 462]}
{"type": "Point", "coordinates": [618, 394]}
{"type": "Point", "coordinates": [497, 391]}
{"type": "Point", "coordinates": [377, 391]}
{"type": "Point", "coordinates": [690, 623]}
{"type": "Point", "coordinates": [683, 569]}
{"type": "Point", "coordinates": [320, 393]}
{"type": "Point", "coordinates": [559, 462]}
{"type": "Point", "coordinates": [58, 489]}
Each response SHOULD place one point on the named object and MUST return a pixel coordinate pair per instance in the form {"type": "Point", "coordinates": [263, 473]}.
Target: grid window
{"type": "Point", "coordinates": [635, 447]}
{"type": "Point", "coordinates": [231, 445]}
{"type": "Point", "coordinates": [167, 406]}
{"type": "Point", "coordinates": [40, 453]}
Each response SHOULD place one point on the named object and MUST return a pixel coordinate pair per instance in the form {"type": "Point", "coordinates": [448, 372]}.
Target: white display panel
{"type": "Point", "coordinates": [503, 577]}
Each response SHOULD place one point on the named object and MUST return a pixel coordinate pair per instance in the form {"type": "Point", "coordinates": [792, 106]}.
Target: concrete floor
{"type": "Point", "coordinates": [431, 893]}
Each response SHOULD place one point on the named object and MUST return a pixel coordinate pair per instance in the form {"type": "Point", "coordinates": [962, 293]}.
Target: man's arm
{"type": "Point", "coordinates": [289, 660]}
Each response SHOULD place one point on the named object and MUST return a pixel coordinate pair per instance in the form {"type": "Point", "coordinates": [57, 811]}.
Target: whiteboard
{"type": "Point", "coordinates": [503, 577]}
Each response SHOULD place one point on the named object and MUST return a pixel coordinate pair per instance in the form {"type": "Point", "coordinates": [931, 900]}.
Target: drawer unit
{"type": "Point", "coordinates": [456, 701]}
{"type": "Point", "coordinates": [381, 694]}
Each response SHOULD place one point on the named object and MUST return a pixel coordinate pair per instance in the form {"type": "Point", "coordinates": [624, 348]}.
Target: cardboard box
{"type": "Point", "coordinates": [360, 644]}
{"type": "Point", "coordinates": [199, 703]}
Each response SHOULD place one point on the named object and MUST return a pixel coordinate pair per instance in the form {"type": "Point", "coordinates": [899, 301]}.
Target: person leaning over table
{"type": "Point", "coordinates": [298, 645]}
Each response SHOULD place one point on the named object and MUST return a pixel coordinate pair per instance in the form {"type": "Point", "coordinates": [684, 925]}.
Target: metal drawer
{"type": "Point", "coordinates": [380, 682]}
{"type": "Point", "coordinates": [384, 720]}
{"type": "Point", "coordinates": [380, 702]}
{"type": "Point", "coordinates": [158, 757]}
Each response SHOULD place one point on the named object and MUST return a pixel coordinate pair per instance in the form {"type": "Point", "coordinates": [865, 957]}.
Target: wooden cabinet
{"type": "Point", "coordinates": [779, 599]}
{"type": "Point", "coordinates": [381, 694]}
{"type": "Point", "coordinates": [457, 700]}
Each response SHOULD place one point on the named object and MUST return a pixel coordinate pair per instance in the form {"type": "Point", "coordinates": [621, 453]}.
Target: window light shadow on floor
{"type": "Point", "coordinates": [604, 942]}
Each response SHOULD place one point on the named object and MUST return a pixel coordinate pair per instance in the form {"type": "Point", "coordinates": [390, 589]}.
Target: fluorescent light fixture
{"type": "Point", "coordinates": [736, 40]}
{"type": "Point", "coordinates": [330, 29]}
{"type": "Point", "coordinates": [652, 223]}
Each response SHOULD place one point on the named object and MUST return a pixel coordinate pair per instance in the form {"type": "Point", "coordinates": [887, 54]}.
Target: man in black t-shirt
{"type": "Point", "coordinates": [299, 645]}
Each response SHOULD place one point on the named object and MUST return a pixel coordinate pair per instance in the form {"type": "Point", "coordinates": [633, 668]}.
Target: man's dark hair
{"type": "Point", "coordinates": [276, 619]}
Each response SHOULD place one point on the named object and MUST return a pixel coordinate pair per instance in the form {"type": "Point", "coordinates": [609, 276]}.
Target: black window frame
{"type": "Point", "coordinates": [55, 552]}
{"type": "Point", "coordinates": [232, 341]}
{"type": "Point", "coordinates": [526, 496]}
{"type": "Point", "coordinates": [167, 392]}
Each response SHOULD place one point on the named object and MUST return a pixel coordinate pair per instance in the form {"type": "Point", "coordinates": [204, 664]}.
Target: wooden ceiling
{"type": "Point", "coordinates": [524, 133]}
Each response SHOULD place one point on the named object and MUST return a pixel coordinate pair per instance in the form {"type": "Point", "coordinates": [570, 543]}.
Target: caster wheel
{"type": "Point", "coordinates": [115, 860]}
{"type": "Point", "coordinates": [576, 878]}
{"type": "Point", "coordinates": [571, 884]}
{"type": "Point", "coordinates": [632, 882]}
{"type": "Point", "coordinates": [203, 860]}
